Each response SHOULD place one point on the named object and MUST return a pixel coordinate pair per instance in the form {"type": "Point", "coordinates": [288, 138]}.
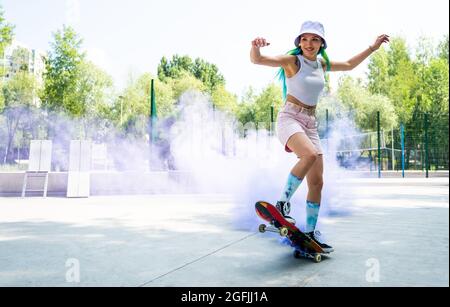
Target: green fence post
{"type": "Point", "coordinates": [402, 139]}
{"type": "Point", "coordinates": [379, 144]}
{"type": "Point", "coordinates": [392, 149]}
{"type": "Point", "coordinates": [427, 166]}
{"type": "Point", "coordinates": [271, 120]}
{"type": "Point", "coordinates": [152, 124]}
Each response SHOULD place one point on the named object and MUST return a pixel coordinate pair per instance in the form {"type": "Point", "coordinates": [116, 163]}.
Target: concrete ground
{"type": "Point", "coordinates": [397, 234]}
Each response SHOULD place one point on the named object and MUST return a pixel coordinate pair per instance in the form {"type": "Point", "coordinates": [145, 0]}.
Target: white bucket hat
{"type": "Point", "coordinates": [312, 27]}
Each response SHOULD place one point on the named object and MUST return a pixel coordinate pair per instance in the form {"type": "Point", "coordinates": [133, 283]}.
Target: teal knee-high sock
{"type": "Point", "coordinates": [312, 214]}
{"type": "Point", "coordinates": [292, 185]}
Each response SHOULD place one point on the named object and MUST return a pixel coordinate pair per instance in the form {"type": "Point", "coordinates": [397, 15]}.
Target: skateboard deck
{"type": "Point", "coordinates": [303, 245]}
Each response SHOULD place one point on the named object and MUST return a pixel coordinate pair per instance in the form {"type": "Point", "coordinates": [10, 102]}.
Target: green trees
{"type": "Point", "coordinates": [256, 108]}
{"type": "Point", "coordinates": [364, 105]}
{"type": "Point", "coordinates": [175, 77]}
{"type": "Point", "coordinates": [63, 74]}
{"type": "Point", "coordinates": [401, 84]}
{"type": "Point", "coordinates": [416, 85]}
{"type": "Point", "coordinates": [6, 36]}
{"type": "Point", "coordinates": [413, 85]}
{"type": "Point", "coordinates": [74, 86]}
{"type": "Point", "coordinates": [6, 32]}
{"type": "Point", "coordinates": [133, 105]}
{"type": "Point", "coordinates": [203, 71]}
{"type": "Point", "coordinates": [19, 94]}
{"type": "Point", "coordinates": [224, 100]}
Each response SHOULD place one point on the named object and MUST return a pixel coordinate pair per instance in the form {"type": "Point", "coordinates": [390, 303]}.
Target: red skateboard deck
{"type": "Point", "coordinates": [271, 214]}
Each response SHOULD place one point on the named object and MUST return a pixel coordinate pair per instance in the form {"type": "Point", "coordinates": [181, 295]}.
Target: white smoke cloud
{"type": "Point", "coordinates": [205, 151]}
{"type": "Point", "coordinates": [208, 146]}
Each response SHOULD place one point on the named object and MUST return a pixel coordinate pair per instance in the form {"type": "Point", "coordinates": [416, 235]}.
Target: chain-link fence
{"type": "Point", "coordinates": [425, 143]}
{"type": "Point", "coordinates": [18, 127]}
{"type": "Point", "coordinates": [421, 145]}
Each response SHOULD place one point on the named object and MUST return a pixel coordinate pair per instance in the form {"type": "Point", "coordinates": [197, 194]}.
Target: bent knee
{"type": "Point", "coordinates": [311, 156]}
{"type": "Point", "coordinates": [316, 184]}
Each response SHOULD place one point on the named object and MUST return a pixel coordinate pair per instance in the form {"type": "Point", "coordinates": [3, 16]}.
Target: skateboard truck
{"type": "Point", "coordinates": [283, 231]}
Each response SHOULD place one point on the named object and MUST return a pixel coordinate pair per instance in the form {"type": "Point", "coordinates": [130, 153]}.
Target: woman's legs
{"type": "Point", "coordinates": [301, 145]}
{"type": "Point", "coordinates": [311, 167]}
{"type": "Point", "coordinates": [315, 185]}
{"type": "Point", "coordinates": [315, 181]}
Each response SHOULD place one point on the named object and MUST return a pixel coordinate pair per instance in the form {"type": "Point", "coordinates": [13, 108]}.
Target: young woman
{"type": "Point", "coordinates": [303, 75]}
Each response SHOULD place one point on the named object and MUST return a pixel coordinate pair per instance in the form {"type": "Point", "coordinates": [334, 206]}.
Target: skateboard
{"type": "Point", "coordinates": [303, 246]}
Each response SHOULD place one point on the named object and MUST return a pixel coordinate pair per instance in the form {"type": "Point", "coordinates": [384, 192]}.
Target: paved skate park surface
{"type": "Point", "coordinates": [396, 234]}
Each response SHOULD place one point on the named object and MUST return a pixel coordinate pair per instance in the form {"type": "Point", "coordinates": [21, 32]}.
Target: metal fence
{"type": "Point", "coordinates": [421, 145]}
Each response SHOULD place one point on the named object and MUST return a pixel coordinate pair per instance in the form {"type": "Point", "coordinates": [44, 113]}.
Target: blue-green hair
{"type": "Point", "coordinates": [282, 75]}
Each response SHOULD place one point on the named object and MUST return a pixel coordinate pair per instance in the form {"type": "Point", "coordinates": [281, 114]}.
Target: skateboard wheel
{"type": "Point", "coordinates": [317, 258]}
{"type": "Point", "coordinates": [262, 228]}
{"type": "Point", "coordinates": [284, 232]}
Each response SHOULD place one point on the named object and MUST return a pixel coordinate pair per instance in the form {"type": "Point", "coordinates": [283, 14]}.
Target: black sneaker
{"type": "Point", "coordinates": [285, 209]}
{"type": "Point", "coordinates": [314, 236]}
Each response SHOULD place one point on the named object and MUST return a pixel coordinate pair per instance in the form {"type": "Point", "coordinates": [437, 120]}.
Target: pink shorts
{"type": "Point", "coordinates": [292, 121]}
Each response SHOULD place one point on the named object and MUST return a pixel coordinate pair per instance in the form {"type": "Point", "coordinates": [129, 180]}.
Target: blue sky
{"type": "Point", "coordinates": [127, 38]}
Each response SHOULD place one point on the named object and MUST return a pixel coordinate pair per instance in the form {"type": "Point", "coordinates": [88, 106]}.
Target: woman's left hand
{"type": "Point", "coordinates": [380, 40]}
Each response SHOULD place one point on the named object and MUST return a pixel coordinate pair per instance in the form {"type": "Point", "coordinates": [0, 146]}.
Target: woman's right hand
{"type": "Point", "coordinates": [259, 42]}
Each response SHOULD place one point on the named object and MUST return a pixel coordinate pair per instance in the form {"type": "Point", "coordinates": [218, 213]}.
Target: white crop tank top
{"type": "Point", "coordinates": [308, 83]}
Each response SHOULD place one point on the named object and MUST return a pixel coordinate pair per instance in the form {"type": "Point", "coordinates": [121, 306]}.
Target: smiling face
{"type": "Point", "coordinates": [310, 44]}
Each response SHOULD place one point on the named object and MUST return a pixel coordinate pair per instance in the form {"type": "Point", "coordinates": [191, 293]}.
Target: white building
{"type": "Point", "coordinates": [36, 63]}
